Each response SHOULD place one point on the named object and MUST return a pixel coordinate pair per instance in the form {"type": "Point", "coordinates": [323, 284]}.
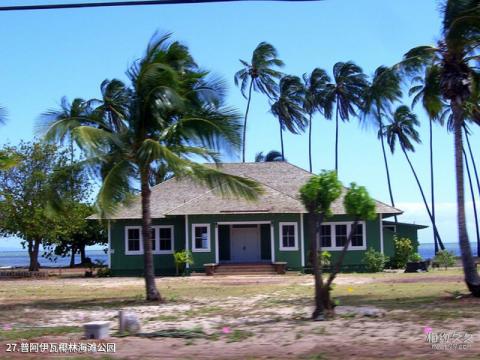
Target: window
{"type": "Point", "coordinates": [165, 239]}
{"type": "Point", "coordinates": [133, 240]}
{"type": "Point", "coordinates": [288, 236]}
{"type": "Point", "coordinates": [340, 235]}
{"type": "Point", "coordinates": [201, 237]}
{"type": "Point", "coordinates": [391, 228]}
{"type": "Point", "coordinates": [326, 236]}
{"type": "Point", "coordinates": [334, 235]}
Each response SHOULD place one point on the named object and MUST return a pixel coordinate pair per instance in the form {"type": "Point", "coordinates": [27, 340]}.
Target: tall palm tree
{"type": "Point", "coordinates": [174, 113]}
{"type": "Point", "coordinates": [472, 193]}
{"type": "Point", "coordinates": [401, 129]}
{"type": "Point", "coordinates": [477, 180]}
{"type": "Point", "coordinates": [315, 85]}
{"type": "Point", "coordinates": [346, 93]}
{"type": "Point", "coordinates": [426, 89]}
{"type": "Point", "coordinates": [380, 94]}
{"type": "Point", "coordinates": [272, 155]}
{"type": "Point", "coordinates": [260, 74]}
{"type": "Point", "coordinates": [454, 56]}
{"type": "Point", "coordinates": [288, 107]}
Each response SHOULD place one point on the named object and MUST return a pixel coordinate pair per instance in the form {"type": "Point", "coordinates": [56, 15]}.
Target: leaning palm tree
{"type": "Point", "coordinates": [383, 90]}
{"type": "Point", "coordinates": [174, 113]}
{"type": "Point", "coordinates": [315, 91]}
{"type": "Point", "coordinates": [426, 89]}
{"type": "Point", "coordinates": [454, 56]}
{"type": "Point", "coordinates": [288, 107]}
{"type": "Point", "coordinates": [272, 155]}
{"type": "Point", "coordinates": [401, 129]}
{"type": "Point", "coordinates": [346, 93]}
{"type": "Point", "coordinates": [260, 75]}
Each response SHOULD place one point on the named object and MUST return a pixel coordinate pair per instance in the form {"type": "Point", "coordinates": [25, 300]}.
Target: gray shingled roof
{"type": "Point", "coordinates": [281, 182]}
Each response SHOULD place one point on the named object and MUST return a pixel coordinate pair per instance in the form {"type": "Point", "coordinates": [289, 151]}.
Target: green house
{"type": "Point", "coordinates": [223, 230]}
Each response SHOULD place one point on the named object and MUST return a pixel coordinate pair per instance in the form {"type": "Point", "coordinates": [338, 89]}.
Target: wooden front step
{"type": "Point", "coordinates": [245, 269]}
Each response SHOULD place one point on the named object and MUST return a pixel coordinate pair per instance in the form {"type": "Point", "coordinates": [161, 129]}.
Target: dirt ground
{"type": "Point", "coordinates": [261, 317]}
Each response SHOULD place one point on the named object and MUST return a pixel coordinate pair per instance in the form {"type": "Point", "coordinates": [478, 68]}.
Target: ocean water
{"type": "Point", "coordinates": [427, 250]}
{"type": "Point", "coordinates": [13, 258]}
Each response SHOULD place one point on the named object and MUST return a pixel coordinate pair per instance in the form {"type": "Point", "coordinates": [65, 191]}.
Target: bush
{"type": "Point", "coordinates": [104, 272]}
{"type": "Point", "coordinates": [445, 258]}
{"type": "Point", "coordinates": [325, 258]}
{"type": "Point", "coordinates": [415, 257]}
{"type": "Point", "coordinates": [403, 251]}
{"type": "Point", "coordinates": [374, 260]}
{"type": "Point", "coordinates": [181, 259]}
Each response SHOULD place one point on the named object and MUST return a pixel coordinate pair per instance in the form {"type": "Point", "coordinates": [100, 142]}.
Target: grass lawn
{"type": "Point", "coordinates": [250, 316]}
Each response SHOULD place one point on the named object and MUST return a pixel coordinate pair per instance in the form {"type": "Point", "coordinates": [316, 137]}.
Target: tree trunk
{"type": "Point", "coordinates": [472, 192]}
{"type": "Point", "coordinates": [281, 140]}
{"type": "Point", "coordinates": [389, 182]}
{"type": "Point", "coordinates": [432, 185]}
{"type": "Point", "coordinates": [72, 257]}
{"type": "Point", "coordinates": [310, 142]}
{"type": "Point", "coordinates": [471, 276]}
{"type": "Point", "coordinates": [313, 226]}
{"type": "Point", "coordinates": [33, 250]}
{"type": "Point", "coordinates": [476, 177]}
{"type": "Point", "coordinates": [149, 270]}
{"type": "Point", "coordinates": [245, 120]}
{"type": "Point", "coordinates": [83, 257]}
{"type": "Point", "coordinates": [336, 141]}
{"type": "Point", "coordinates": [423, 197]}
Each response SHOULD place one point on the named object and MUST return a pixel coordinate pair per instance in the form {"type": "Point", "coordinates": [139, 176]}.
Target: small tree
{"type": "Point", "coordinates": [445, 258]}
{"type": "Point", "coordinates": [374, 260]}
{"type": "Point", "coordinates": [181, 259]}
{"type": "Point", "coordinates": [403, 251]}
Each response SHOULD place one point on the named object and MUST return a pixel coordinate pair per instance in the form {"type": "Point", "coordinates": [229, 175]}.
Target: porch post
{"type": "Point", "coordinates": [186, 238]}
{"type": "Point", "coordinates": [381, 232]}
{"type": "Point", "coordinates": [272, 242]}
{"type": "Point", "coordinates": [217, 256]}
{"type": "Point", "coordinates": [109, 259]}
{"type": "Point", "coordinates": [302, 241]}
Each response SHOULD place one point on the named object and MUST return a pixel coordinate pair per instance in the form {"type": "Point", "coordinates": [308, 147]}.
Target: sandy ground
{"type": "Point", "coordinates": [280, 331]}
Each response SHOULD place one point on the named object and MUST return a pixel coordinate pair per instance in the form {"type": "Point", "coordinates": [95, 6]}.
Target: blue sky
{"type": "Point", "coordinates": [49, 54]}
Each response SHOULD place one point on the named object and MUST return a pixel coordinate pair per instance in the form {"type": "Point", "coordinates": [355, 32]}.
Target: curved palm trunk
{"type": "Point", "coordinates": [310, 142]}
{"type": "Point", "coordinates": [438, 242]}
{"type": "Point", "coordinates": [245, 120]}
{"type": "Point", "coordinates": [336, 141]}
{"type": "Point", "coordinates": [422, 193]}
{"type": "Point", "coordinates": [382, 140]}
{"type": "Point", "coordinates": [476, 176]}
{"type": "Point", "coordinates": [471, 276]}
{"type": "Point", "coordinates": [149, 270]}
{"type": "Point", "coordinates": [472, 192]}
{"type": "Point", "coordinates": [281, 140]}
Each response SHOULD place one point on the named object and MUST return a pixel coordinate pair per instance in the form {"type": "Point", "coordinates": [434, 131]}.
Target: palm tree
{"type": "Point", "coordinates": [426, 89]}
{"type": "Point", "coordinates": [454, 56]}
{"type": "Point", "coordinates": [402, 129]}
{"type": "Point", "coordinates": [272, 155]}
{"type": "Point", "coordinates": [315, 85]}
{"type": "Point", "coordinates": [472, 193]}
{"type": "Point", "coordinates": [259, 75]}
{"type": "Point", "coordinates": [379, 95]}
{"type": "Point", "coordinates": [346, 92]}
{"type": "Point", "coordinates": [288, 107]}
{"type": "Point", "coordinates": [6, 160]}
{"type": "Point", "coordinates": [174, 113]}
{"type": "Point", "coordinates": [474, 165]}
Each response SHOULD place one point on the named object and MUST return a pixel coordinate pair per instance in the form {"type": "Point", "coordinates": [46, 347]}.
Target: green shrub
{"type": "Point", "coordinates": [325, 258]}
{"type": "Point", "coordinates": [403, 251]}
{"type": "Point", "coordinates": [374, 260]}
{"type": "Point", "coordinates": [445, 258]}
{"type": "Point", "coordinates": [415, 257]}
{"type": "Point", "coordinates": [181, 259]}
{"type": "Point", "coordinates": [104, 272]}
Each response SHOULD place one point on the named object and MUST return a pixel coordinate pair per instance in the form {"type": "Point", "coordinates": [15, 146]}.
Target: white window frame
{"type": "Point", "coordinates": [157, 239]}
{"type": "Point", "coordinates": [349, 227]}
{"type": "Point", "coordinates": [194, 247]}
{"type": "Point", "coordinates": [280, 228]}
{"type": "Point", "coordinates": [140, 248]}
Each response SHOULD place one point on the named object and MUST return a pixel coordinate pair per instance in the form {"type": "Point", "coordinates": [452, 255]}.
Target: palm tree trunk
{"type": "Point", "coordinates": [471, 276]}
{"type": "Point", "coordinates": [336, 141]}
{"type": "Point", "coordinates": [149, 270]}
{"type": "Point", "coordinates": [310, 142]}
{"type": "Point", "coordinates": [314, 222]}
{"type": "Point", "coordinates": [281, 140]}
{"type": "Point", "coordinates": [245, 120]}
{"type": "Point", "coordinates": [422, 193]}
{"type": "Point", "coordinates": [473, 195]}
{"type": "Point", "coordinates": [382, 140]}
{"type": "Point", "coordinates": [476, 176]}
